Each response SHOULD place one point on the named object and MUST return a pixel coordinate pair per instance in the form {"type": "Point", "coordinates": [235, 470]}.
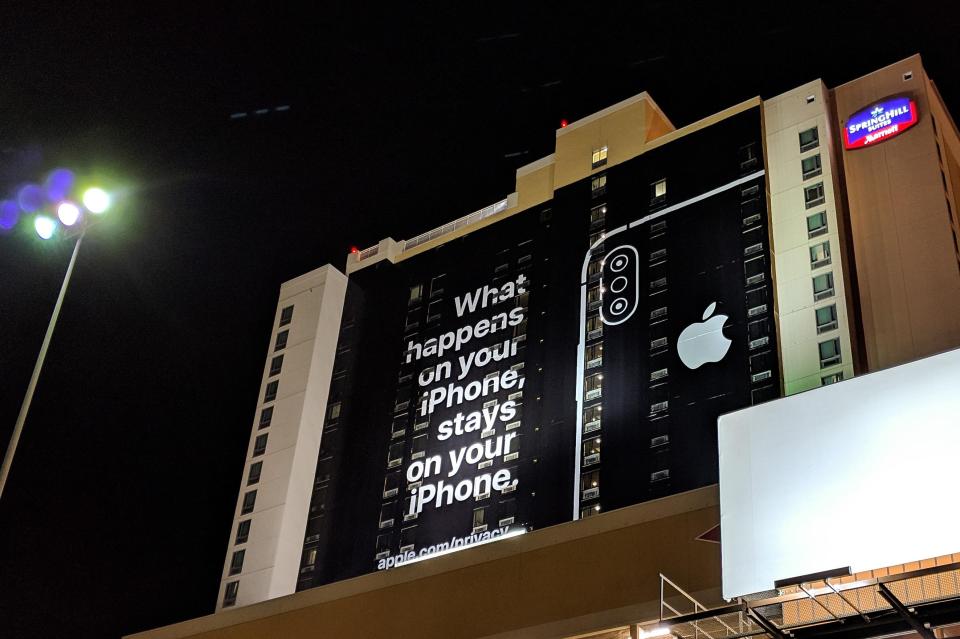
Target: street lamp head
{"type": "Point", "coordinates": [96, 200]}
{"type": "Point", "coordinates": [45, 226]}
{"type": "Point", "coordinates": [69, 213]}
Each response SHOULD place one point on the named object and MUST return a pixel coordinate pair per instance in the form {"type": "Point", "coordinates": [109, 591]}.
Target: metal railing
{"type": "Point", "coordinates": [455, 225]}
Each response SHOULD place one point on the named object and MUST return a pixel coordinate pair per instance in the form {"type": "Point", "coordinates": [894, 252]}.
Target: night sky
{"type": "Point", "coordinates": [118, 509]}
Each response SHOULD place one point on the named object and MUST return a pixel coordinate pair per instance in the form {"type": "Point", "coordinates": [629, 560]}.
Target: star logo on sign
{"type": "Point", "coordinates": [877, 111]}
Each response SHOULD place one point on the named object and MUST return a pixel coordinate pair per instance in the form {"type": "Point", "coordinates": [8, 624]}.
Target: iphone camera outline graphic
{"type": "Point", "coordinates": [703, 342]}
{"type": "Point", "coordinates": [615, 304]}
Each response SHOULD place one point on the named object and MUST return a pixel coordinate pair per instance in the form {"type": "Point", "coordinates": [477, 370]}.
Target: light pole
{"type": "Point", "coordinates": [95, 201]}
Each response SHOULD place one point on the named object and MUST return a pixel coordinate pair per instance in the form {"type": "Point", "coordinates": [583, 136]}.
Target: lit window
{"type": "Point", "coordinates": [594, 355]}
{"type": "Point", "coordinates": [598, 214]}
{"type": "Point", "coordinates": [593, 294]}
{"type": "Point", "coordinates": [236, 562]}
{"type": "Point", "coordinates": [589, 511]}
{"type": "Point", "coordinates": [416, 294]}
{"type": "Point", "coordinates": [230, 593]}
{"type": "Point", "coordinates": [243, 531]}
{"type": "Point", "coordinates": [276, 364]}
{"type": "Point", "coordinates": [593, 385]}
{"type": "Point", "coordinates": [809, 139]}
{"type": "Point", "coordinates": [266, 416]}
{"type": "Point", "coordinates": [598, 185]}
{"type": "Point", "coordinates": [811, 166]}
{"type": "Point", "coordinates": [594, 268]}
{"type": "Point", "coordinates": [254, 476]}
{"type": "Point", "coordinates": [281, 342]}
{"type": "Point", "coordinates": [829, 352]}
{"type": "Point", "coordinates": [823, 286]}
{"type": "Point", "coordinates": [658, 190]}
{"type": "Point", "coordinates": [594, 326]}
{"type": "Point", "coordinates": [599, 157]}
{"type": "Point", "coordinates": [260, 444]}
{"type": "Point", "coordinates": [813, 195]}
{"type": "Point", "coordinates": [826, 318]}
{"type": "Point", "coordinates": [249, 500]}
{"type": "Point", "coordinates": [591, 451]}
{"type": "Point", "coordinates": [590, 484]}
{"type": "Point", "coordinates": [286, 315]}
{"type": "Point", "coordinates": [334, 411]}
{"type": "Point", "coordinates": [820, 255]}
{"type": "Point", "coordinates": [817, 224]}
{"type": "Point", "coordinates": [479, 514]}
{"type": "Point", "coordinates": [270, 393]}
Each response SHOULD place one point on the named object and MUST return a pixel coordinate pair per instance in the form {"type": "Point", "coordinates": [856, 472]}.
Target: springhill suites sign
{"type": "Point", "coordinates": [879, 122]}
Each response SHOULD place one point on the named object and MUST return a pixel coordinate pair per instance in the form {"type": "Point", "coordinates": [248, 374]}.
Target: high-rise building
{"type": "Point", "coordinates": [538, 384]}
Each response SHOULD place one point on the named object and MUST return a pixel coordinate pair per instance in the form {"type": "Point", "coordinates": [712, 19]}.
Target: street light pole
{"type": "Point", "coordinates": [25, 407]}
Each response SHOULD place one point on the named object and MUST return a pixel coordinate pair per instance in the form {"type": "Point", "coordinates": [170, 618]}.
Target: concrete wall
{"type": "Point", "coordinates": [279, 518]}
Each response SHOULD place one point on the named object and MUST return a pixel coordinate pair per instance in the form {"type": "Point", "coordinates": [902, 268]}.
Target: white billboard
{"type": "Point", "coordinates": [860, 474]}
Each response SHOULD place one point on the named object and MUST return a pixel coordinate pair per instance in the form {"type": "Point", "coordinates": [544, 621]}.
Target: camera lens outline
{"type": "Point", "coordinates": [619, 306]}
{"type": "Point", "coordinates": [619, 283]}
{"type": "Point", "coordinates": [619, 262]}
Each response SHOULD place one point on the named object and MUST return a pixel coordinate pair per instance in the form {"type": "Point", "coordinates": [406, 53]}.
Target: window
{"type": "Point", "coordinates": [811, 166]}
{"type": "Point", "coordinates": [334, 411]}
{"type": "Point", "coordinates": [748, 156]}
{"type": "Point", "coordinates": [594, 268]}
{"type": "Point", "coordinates": [395, 455]}
{"type": "Point", "coordinates": [593, 294]}
{"type": "Point", "coordinates": [813, 195]}
{"type": "Point", "coordinates": [816, 224]}
{"type": "Point", "coordinates": [594, 238]}
{"type": "Point", "coordinates": [270, 393]}
{"type": "Point", "coordinates": [230, 593]}
{"type": "Point", "coordinates": [433, 312]}
{"type": "Point", "coordinates": [408, 537]}
{"type": "Point", "coordinates": [408, 504]}
{"type": "Point", "coordinates": [830, 352]}
{"type": "Point", "coordinates": [254, 476]}
{"type": "Point", "coordinates": [820, 255]}
{"type": "Point", "coordinates": [591, 418]}
{"type": "Point", "coordinates": [436, 285]}
{"type": "Point", "coordinates": [479, 515]}
{"type": "Point", "coordinates": [387, 514]}
{"type": "Point", "coordinates": [275, 365]}
{"type": "Point", "coordinates": [826, 318]}
{"type": "Point", "coordinates": [399, 427]}
{"type": "Point", "coordinates": [589, 511]}
{"type": "Point", "coordinates": [286, 315]}
{"type": "Point", "coordinates": [809, 139]}
{"type": "Point", "coordinates": [811, 99]}
{"type": "Point", "coordinates": [383, 545]}
{"type": "Point", "coordinates": [594, 355]}
{"type": "Point", "coordinates": [266, 416]}
{"type": "Point", "coordinates": [281, 342]}
{"type": "Point", "coordinates": [593, 386]}
{"type": "Point", "coordinates": [598, 215]}
{"type": "Point", "coordinates": [594, 327]}
{"type": "Point", "coordinates": [658, 191]}
{"type": "Point", "coordinates": [590, 484]}
{"type": "Point", "coordinates": [309, 559]}
{"type": "Point", "coordinates": [598, 185]}
{"type": "Point", "coordinates": [391, 485]}
{"type": "Point", "coordinates": [260, 444]}
{"type": "Point", "coordinates": [324, 470]}
{"type": "Point", "coordinates": [599, 157]}
{"type": "Point", "coordinates": [831, 379]}
{"type": "Point", "coordinates": [591, 451]}
{"type": "Point", "coordinates": [508, 512]}
{"type": "Point", "coordinates": [419, 447]}
{"type": "Point", "coordinates": [416, 294]}
{"type": "Point", "coordinates": [822, 286]}
{"type": "Point", "coordinates": [249, 501]}
{"type": "Point", "coordinates": [236, 562]}
{"type": "Point", "coordinates": [243, 531]}
{"type": "Point", "coordinates": [658, 227]}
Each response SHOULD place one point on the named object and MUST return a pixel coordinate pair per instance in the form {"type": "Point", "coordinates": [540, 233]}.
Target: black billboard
{"type": "Point", "coordinates": [567, 360]}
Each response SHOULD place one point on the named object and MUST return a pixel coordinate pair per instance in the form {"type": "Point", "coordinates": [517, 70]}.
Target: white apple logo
{"type": "Point", "coordinates": [703, 342]}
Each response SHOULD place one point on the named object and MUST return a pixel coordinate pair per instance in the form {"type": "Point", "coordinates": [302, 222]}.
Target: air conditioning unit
{"type": "Point", "coordinates": [591, 459]}
{"type": "Point", "coordinates": [591, 493]}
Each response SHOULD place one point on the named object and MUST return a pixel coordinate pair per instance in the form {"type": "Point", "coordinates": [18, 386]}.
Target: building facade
{"type": "Point", "coordinates": [565, 353]}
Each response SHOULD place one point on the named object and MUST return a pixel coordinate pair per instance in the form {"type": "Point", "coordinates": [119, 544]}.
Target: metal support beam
{"type": "Point", "coordinates": [911, 619]}
{"type": "Point", "coordinates": [767, 625]}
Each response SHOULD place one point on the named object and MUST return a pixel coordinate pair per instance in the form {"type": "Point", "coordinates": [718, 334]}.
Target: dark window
{"type": "Point", "coordinates": [811, 166]}
{"type": "Point", "coordinates": [275, 365]}
{"type": "Point", "coordinates": [823, 286]}
{"type": "Point", "coordinates": [748, 156]}
{"type": "Point", "coordinates": [334, 412]}
{"type": "Point", "coordinates": [266, 416]}
{"type": "Point", "coordinates": [286, 315]}
{"type": "Point", "coordinates": [243, 531]}
{"type": "Point", "coordinates": [826, 318]}
{"type": "Point", "coordinates": [814, 195]}
{"type": "Point", "coordinates": [230, 593]}
{"type": "Point", "coordinates": [324, 469]}
{"type": "Point", "coordinates": [416, 293]}
{"type": "Point", "coordinates": [270, 393]}
{"type": "Point", "coordinates": [809, 139]}
{"type": "Point", "coordinates": [383, 544]}
{"type": "Point", "coordinates": [249, 500]}
{"type": "Point", "coordinates": [236, 562]}
{"type": "Point", "coordinates": [260, 444]}
{"type": "Point", "coordinates": [820, 255]}
{"type": "Point", "coordinates": [408, 537]}
{"type": "Point", "coordinates": [829, 352]}
{"type": "Point", "coordinates": [254, 476]}
{"type": "Point", "coordinates": [598, 185]}
{"type": "Point", "coordinates": [816, 224]}
{"type": "Point", "coordinates": [281, 342]}
{"type": "Point", "coordinates": [436, 285]}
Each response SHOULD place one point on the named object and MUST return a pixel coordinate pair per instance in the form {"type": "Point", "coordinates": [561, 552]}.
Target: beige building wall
{"type": "Point", "coordinates": [902, 227]}
{"type": "Point", "coordinates": [785, 116]}
{"type": "Point", "coordinates": [272, 551]}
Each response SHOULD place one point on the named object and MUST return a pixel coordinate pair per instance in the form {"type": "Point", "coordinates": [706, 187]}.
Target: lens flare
{"type": "Point", "coordinates": [96, 200]}
{"type": "Point", "coordinates": [45, 226]}
{"type": "Point", "coordinates": [30, 198]}
{"type": "Point", "coordinates": [59, 184]}
{"type": "Point", "coordinates": [9, 214]}
{"type": "Point", "coordinates": [68, 213]}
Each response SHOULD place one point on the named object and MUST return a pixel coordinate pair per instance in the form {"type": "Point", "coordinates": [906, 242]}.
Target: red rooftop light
{"type": "Point", "coordinates": [354, 249]}
{"type": "Point", "coordinates": [563, 123]}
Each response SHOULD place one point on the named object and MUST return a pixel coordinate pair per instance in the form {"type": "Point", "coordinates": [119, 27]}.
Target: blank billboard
{"type": "Point", "coordinates": [860, 474]}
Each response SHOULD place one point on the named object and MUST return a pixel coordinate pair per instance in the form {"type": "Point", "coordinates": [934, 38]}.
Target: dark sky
{"type": "Point", "coordinates": [118, 509]}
